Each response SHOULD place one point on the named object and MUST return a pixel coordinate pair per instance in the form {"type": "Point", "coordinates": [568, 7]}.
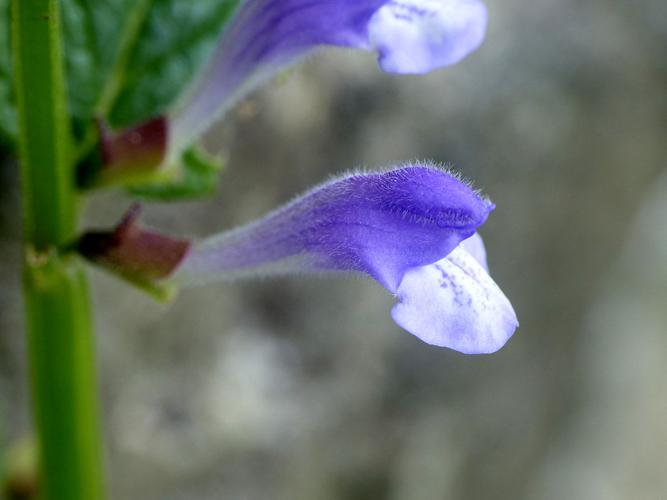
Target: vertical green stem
{"type": "Point", "coordinates": [60, 336]}
{"type": "Point", "coordinates": [49, 197]}
{"type": "Point", "coordinates": [62, 365]}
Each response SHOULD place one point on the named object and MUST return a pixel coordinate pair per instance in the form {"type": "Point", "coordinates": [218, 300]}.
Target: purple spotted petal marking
{"type": "Point", "coordinates": [454, 303]}
{"type": "Point", "coordinates": [416, 36]}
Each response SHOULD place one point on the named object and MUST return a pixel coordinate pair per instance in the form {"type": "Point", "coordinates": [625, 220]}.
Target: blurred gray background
{"type": "Point", "coordinates": [304, 389]}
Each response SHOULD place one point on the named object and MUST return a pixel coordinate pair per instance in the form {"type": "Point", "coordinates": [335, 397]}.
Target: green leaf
{"type": "Point", "coordinates": [8, 124]}
{"type": "Point", "coordinates": [94, 33]}
{"type": "Point", "coordinates": [176, 40]}
{"type": "Point", "coordinates": [128, 60]}
{"type": "Point", "coordinates": [198, 177]}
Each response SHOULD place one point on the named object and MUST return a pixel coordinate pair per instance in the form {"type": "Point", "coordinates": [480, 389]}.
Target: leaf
{"type": "Point", "coordinates": [128, 60]}
{"type": "Point", "coordinates": [8, 124]}
{"type": "Point", "coordinates": [93, 34]}
{"type": "Point", "coordinates": [176, 40]}
{"type": "Point", "coordinates": [199, 175]}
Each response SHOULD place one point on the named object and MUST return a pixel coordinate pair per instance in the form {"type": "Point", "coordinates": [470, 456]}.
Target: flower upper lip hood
{"type": "Point", "coordinates": [410, 36]}
{"type": "Point", "coordinates": [424, 195]}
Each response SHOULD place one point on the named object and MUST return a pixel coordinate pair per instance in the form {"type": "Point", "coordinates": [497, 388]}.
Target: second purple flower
{"type": "Point", "coordinates": [409, 36]}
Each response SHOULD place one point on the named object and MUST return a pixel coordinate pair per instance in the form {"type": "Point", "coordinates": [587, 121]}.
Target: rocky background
{"type": "Point", "coordinates": [304, 389]}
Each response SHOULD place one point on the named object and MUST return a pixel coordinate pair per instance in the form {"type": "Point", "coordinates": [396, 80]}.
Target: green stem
{"type": "Point", "coordinates": [49, 199]}
{"type": "Point", "coordinates": [61, 353]}
{"type": "Point", "coordinates": [60, 336]}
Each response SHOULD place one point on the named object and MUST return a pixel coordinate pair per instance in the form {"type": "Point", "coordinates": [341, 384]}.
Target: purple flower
{"type": "Point", "coordinates": [413, 229]}
{"type": "Point", "coordinates": [410, 36]}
